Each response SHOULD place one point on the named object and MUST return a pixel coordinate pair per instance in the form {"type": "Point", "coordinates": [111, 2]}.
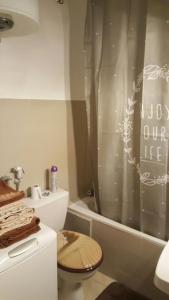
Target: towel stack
{"type": "Point", "coordinates": [17, 221]}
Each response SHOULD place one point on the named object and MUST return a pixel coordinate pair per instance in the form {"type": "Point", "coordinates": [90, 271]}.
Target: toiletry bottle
{"type": "Point", "coordinates": [54, 170]}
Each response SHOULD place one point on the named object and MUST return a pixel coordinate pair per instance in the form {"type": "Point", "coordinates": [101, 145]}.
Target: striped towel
{"type": "Point", "coordinates": [12, 208]}
{"type": "Point", "coordinates": [15, 215]}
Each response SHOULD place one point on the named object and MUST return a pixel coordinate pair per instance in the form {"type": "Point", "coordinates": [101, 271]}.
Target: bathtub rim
{"type": "Point", "coordinates": [76, 208]}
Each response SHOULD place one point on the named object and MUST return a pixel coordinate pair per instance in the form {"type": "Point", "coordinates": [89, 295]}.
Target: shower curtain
{"type": "Point", "coordinates": [127, 100]}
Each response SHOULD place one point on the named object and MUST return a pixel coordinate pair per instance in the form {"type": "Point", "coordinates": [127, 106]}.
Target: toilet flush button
{"type": "Point", "coordinates": [46, 194]}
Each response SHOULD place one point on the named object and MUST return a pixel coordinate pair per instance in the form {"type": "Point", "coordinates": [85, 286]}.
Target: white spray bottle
{"type": "Point", "coordinates": [53, 186]}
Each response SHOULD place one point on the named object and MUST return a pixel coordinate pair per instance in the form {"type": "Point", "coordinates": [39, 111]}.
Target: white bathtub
{"type": "Point", "coordinates": [130, 256]}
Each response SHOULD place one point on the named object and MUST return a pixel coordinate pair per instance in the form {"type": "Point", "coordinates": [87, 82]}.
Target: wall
{"type": "Point", "coordinates": [32, 66]}
{"type": "Point", "coordinates": [47, 65]}
{"type": "Point", "coordinates": [33, 135]}
{"type": "Point", "coordinates": [74, 21]}
{"type": "Point", "coordinates": [78, 154]}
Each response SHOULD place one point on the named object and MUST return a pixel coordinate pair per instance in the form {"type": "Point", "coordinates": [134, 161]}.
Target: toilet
{"type": "Point", "coordinates": [78, 255]}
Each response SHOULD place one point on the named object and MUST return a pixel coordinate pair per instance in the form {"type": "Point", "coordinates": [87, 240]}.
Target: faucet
{"type": "Point", "coordinates": [18, 175]}
{"type": "Point", "coordinates": [91, 191]}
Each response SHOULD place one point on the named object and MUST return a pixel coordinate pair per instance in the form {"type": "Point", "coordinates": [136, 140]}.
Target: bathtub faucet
{"type": "Point", "coordinates": [91, 191]}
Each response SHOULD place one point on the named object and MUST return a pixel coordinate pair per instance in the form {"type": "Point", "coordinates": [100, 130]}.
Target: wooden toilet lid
{"type": "Point", "coordinates": [78, 252]}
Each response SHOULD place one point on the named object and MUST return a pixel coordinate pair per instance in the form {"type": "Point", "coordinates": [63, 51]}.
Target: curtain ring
{"type": "Point", "coordinates": [60, 1]}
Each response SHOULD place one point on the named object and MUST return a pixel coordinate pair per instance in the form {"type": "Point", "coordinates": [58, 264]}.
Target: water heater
{"type": "Point", "coordinates": [18, 17]}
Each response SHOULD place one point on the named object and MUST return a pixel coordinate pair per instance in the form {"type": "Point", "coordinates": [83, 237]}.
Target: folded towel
{"type": "Point", "coordinates": [16, 223]}
{"type": "Point", "coordinates": [20, 233]}
{"type": "Point", "coordinates": [8, 195]}
{"type": "Point", "coordinates": [6, 210]}
{"type": "Point", "coordinates": [15, 213]}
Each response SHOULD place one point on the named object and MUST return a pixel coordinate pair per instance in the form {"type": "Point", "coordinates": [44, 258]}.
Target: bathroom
{"type": "Point", "coordinates": [45, 106]}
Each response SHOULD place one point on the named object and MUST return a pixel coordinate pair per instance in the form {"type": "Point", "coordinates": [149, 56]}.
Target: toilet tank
{"type": "Point", "coordinates": [51, 209]}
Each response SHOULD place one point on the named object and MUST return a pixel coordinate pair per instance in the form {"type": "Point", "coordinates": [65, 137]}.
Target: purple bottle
{"type": "Point", "coordinates": [54, 170]}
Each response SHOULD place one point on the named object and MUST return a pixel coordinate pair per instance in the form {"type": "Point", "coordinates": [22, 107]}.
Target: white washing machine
{"type": "Point", "coordinates": [28, 268]}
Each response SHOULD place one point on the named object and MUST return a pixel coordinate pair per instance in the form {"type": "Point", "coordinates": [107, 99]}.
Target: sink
{"type": "Point", "coordinates": [161, 278]}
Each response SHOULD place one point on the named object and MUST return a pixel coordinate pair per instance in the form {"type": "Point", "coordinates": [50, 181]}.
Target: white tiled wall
{"type": "Point", "coordinates": [76, 223]}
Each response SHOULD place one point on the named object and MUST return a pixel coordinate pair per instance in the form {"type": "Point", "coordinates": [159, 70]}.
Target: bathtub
{"type": "Point", "coordinates": [130, 256]}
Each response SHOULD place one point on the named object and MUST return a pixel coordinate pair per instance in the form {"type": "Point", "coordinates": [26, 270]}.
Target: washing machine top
{"type": "Point", "coordinates": [25, 248]}
{"type": "Point", "coordinates": [77, 252]}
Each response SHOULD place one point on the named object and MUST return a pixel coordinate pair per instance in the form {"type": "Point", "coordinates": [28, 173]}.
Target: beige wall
{"type": "Point", "coordinates": [79, 169]}
{"type": "Point", "coordinates": [74, 23]}
{"type": "Point", "coordinates": [33, 134]}
{"type": "Point", "coordinates": [36, 134]}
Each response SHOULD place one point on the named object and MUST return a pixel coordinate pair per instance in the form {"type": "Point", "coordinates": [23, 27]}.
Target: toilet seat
{"type": "Point", "coordinates": [77, 252]}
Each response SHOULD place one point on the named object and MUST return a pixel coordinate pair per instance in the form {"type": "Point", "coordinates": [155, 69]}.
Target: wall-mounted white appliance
{"type": "Point", "coordinates": [18, 17]}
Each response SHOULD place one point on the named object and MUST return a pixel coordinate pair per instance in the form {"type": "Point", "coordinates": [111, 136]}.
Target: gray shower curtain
{"type": "Point", "coordinates": [127, 97]}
